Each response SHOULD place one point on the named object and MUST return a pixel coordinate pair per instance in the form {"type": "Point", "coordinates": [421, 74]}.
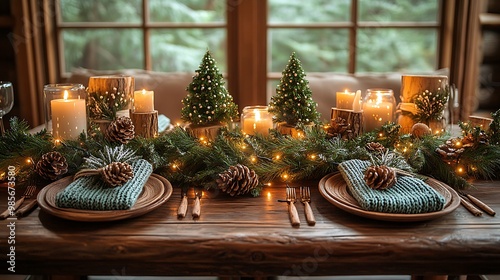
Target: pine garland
{"type": "Point", "coordinates": [185, 160]}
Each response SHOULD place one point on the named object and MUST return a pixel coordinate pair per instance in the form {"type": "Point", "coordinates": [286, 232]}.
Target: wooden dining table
{"type": "Point", "coordinates": [253, 237]}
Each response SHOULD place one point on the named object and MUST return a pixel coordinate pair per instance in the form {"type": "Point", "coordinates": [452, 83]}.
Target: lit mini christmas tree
{"type": "Point", "coordinates": [293, 101]}
{"type": "Point", "coordinates": [208, 101]}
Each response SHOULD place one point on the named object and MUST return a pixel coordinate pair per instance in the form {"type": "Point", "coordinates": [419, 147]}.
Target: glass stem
{"type": "Point", "coordinates": [2, 129]}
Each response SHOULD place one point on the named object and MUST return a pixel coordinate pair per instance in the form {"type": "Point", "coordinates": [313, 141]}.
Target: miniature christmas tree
{"type": "Point", "coordinates": [293, 101]}
{"type": "Point", "coordinates": [208, 101]}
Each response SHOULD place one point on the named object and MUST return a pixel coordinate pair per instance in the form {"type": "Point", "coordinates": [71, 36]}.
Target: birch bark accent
{"type": "Point", "coordinates": [286, 129]}
{"type": "Point", "coordinates": [355, 119]}
{"type": "Point", "coordinates": [204, 132]}
{"type": "Point", "coordinates": [411, 86]}
{"type": "Point", "coordinates": [145, 124]}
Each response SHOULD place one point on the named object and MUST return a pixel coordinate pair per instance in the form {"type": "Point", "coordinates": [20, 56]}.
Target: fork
{"type": "Point", "coordinates": [30, 190]}
{"type": "Point", "coordinates": [305, 197]}
{"type": "Point", "coordinates": [292, 210]}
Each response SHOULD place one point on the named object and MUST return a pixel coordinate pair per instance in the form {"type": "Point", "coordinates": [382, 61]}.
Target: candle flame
{"type": "Point", "coordinates": [257, 114]}
{"type": "Point", "coordinates": [379, 97]}
{"type": "Point", "coordinates": [65, 95]}
{"type": "Point", "coordinates": [143, 91]}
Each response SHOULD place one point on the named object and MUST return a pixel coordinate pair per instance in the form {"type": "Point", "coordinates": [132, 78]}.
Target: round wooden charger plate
{"type": "Point", "coordinates": [157, 191]}
{"type": "Point", "coordinates": [334, 189]}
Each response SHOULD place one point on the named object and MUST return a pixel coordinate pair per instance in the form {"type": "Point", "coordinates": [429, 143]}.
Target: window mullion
{"type": "Point", "coordinates": [353, 36]}
{"type": "Point", "coordinates": [145, 35]}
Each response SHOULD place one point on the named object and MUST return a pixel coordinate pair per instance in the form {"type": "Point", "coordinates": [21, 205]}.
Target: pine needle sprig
{"type": "Point", "coordinates": [431, 105]}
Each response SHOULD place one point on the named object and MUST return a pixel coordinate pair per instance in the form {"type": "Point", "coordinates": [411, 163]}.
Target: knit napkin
{"type": "Point", "coordinates": [408, 196]}
{"type": "Point", "coordinates": [90, 193]}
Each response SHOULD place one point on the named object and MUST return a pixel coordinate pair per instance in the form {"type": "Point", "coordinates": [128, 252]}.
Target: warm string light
{"type": "Point", "coordinates": [253, 159]}
{"type": "Point", "coordinates": [313, 156]}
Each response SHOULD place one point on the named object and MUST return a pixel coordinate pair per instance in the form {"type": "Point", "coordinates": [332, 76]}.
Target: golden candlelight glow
{"type": "Point", "coordinates": [66, 94]}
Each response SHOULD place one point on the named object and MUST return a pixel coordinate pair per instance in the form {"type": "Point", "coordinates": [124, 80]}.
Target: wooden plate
{"type": "Point", "coordinates": [334, 189]}
{"type": "Point", "coordinates": [157, 191]}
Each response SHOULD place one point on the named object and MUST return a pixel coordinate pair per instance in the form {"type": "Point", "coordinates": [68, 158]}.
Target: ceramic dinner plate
{"type": "Point", "coordinates": [156, 191]}
{"type": "Point", "coordinates": [335, 190]}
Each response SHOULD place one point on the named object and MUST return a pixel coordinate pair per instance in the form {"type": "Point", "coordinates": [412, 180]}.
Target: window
{"type": "Point", "coordinates": [160, 35]}
{"type": "Point", "coordinates": [352, 36]}
{"type": "Point", "coordinates": [251, 39]}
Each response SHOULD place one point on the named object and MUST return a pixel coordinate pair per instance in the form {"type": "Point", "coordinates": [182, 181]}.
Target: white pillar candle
{"type": "Point", "coordinates": [256, 120]}
{"type": "Point", "coordinates": [69, 117]}
{"type": "Point", "coordinates": [144, 101]}
{"type": "Point", "coordinates": [356, 104]}
{"type": "Point", "coordinates": [345, 99]}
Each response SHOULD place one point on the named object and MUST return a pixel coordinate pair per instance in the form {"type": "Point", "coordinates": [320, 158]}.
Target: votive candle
{"type": "Point", "coordinates": [69, 117]}
{"type": "Point", "coordinates": [256, 120]}
{"type": "Point", "coordinates": [144, 101]}
{"type": "Point", "coordinates": [345, 99]}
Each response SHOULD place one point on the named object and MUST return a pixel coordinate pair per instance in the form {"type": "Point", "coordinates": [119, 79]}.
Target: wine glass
{"type": "Point", "coordinates": [6, 101]}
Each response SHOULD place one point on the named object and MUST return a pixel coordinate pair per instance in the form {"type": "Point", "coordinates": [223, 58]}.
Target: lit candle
{"type": "Point", "coordinates": [376, 112]}
{"type": "Point", "coordinates": [69, 117]}
{"type": "Point", "coordinates": [345, 99]}
{"type": "Point", "coordinates": [144, 101]}
{"type": "Point", "coordinates": [256, 119]}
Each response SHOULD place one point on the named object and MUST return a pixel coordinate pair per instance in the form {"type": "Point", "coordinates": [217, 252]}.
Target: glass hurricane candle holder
{"type": "Point", "coordinates": [256, 120]}
{"type": "Point", "coordinates": [65, 110]}
{"type": "Point", "coordinates": [378, 108]}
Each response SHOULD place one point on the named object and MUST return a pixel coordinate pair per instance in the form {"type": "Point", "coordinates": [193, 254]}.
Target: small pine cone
{"type": "Point", "coordinates": [375, 147]}
{"type": "Point", "coordinates": [380, 177]}
{"type": "Point", "coordinates": [238, 179]}
{"type": "Point", "coordinates": [339, 127]}
{"type": "Point", "coordinates": [121, 130]}
{"type": "Point", "coordinates": [51, 165]}
{"type": "Point", "coordinates": [117, 173]}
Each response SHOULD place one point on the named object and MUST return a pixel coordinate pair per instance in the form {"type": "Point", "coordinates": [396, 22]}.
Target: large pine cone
{"type": "Point", "coordinates": [51, 165]}
{"type": "Point", "coordinates": [380, 177]}
{"type": "Point", "coordinates": [117, 173]}
{"type": "Point", "coordinates": [452, 149]}
{"type": "Point", "coordinates": [238, 179]}
{"type": "Point", "coordinates": [375, 147]}
{"type": "Point", "coordinates": [121, 130]}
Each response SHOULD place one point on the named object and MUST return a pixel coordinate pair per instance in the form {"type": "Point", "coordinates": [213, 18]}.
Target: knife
{"type": "Point", "coordinates": [182, 210]}
{"type": "Point", "coordinates": [28, 207]}
{"type": "Point", "coordinates": [198, 192]}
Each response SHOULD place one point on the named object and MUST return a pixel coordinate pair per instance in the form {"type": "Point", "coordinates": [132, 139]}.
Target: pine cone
{"type": "Point", "coordinates": [451, 150]}
{"type": "Point", "coordinates": [380, 177]}
{"type": "Point", "coordinates": [121, 130]}
{"type": "Point", "coordinates": [117, 173]}
{"type": "Point", "coordinates": [375, 147]}
{"type": "Point", "coordinates": [238, 179]}
{"type": "Point", "coordinates": [51, 165]}
{"type": "Point", "coordinates": [340, 128]}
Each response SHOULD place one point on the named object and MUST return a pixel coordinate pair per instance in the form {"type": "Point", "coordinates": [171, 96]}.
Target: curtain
{"type": "Point", "coordinates": [32, 22]}
{"type": "Point", "coordinates": [464, 69]}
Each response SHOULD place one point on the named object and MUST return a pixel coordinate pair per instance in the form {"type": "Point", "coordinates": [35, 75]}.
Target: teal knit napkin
{"type": "Point", "coordinates": [408, 196]}
{"type": "Point", "coordinates": [90, 193]}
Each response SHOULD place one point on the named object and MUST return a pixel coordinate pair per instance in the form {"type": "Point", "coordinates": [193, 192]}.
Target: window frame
{"type": "Point", "coordinates": [145, 25]}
